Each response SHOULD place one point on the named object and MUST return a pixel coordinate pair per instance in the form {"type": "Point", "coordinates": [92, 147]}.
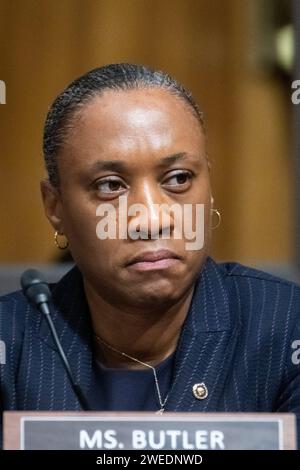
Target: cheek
{"type": "Point", "coordinates": [89, 252]}
{"type": "Point", "coordinates": [79, 223]}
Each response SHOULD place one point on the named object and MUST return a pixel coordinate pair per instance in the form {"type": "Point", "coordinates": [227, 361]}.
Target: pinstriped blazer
{"type": "Point", "coordinates": [237, 338]}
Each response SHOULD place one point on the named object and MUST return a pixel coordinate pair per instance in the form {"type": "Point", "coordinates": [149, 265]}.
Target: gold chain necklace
{"type": "Point", "coordinates": [162, 403]}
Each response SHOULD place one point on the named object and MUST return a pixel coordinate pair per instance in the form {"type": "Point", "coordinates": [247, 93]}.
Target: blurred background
{"type": "Point", "coordinates": [237, 57]}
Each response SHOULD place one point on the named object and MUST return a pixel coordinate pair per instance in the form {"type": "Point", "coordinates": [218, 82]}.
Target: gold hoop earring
{"type": "Point", "coordinates": [215, 211]}
{"type": "Point", "coordinates": [61, 247]}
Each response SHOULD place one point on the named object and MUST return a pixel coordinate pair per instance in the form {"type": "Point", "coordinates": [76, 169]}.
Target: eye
{"type": "Point", "coordinates": [178, 180]}
{"type": "Point", "coordinates": [112, 185]}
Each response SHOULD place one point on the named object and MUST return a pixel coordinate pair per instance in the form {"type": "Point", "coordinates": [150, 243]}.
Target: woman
{"type": "Point", "coordinates": [146, 322]}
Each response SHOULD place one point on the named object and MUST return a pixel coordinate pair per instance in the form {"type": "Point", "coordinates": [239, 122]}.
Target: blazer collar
{"type": "Point", "coordinates": [209, 309]}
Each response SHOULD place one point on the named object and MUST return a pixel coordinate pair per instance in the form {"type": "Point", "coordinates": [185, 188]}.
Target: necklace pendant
{"type": "Point", "coordinates": [160, 412]}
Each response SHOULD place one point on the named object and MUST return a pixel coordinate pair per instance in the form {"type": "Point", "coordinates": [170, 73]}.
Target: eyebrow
{"type": "Point", "coordinates": [121, 166]}
{"type": "Point", "coordinates": [113, 165]}
{"type": "Point", "coordinates": [170, 159]}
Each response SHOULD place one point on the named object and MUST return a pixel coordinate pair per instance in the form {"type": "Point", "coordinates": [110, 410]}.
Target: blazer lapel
{"type": "Point", "coordinates": [206, 345]}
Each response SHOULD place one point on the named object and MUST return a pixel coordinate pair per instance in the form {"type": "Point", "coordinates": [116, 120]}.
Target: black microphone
{"type": "Point", "coordinates": [37, 291]}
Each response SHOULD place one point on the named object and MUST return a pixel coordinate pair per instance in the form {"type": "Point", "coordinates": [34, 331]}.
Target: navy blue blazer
{"type": "Point", "coordinates": [237, 339]}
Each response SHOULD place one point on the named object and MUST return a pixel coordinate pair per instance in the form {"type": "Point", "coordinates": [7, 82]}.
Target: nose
{"type": "Point", "coordinates": [149, 213]}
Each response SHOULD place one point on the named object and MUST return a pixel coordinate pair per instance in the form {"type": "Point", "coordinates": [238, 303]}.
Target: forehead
{"type": "Point", "coordinates": [135, 121]}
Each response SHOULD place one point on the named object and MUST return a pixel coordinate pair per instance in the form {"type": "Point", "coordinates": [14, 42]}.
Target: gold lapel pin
{"type": "Point", "coordinates": [200, 391]}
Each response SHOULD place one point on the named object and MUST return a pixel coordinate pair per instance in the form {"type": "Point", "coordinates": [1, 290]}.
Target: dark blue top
{"type": "Point", "coordinates": [239, 338]}
{"type": "Point", "coordinates": [132, 389]}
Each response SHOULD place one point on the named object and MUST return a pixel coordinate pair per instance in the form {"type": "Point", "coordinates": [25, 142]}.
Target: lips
{"type": "Point", "coordinates": [153, 257]}
{"type": "Point", "coordinates": [150, 260]}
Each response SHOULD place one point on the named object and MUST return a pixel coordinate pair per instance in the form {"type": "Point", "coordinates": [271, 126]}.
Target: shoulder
{"type": "Point", "coordinates": [17, 304]}
{"type": "Point", "coordinates": [241, 276]}
{"type": "Point", "coordinates": [240, 271]}
{"type": "Point", "coordinates": [12, 305]}
{"type": "Point", "coordinates": [15, 311]}
{"type": "Point", "coordinates": [255, 292]}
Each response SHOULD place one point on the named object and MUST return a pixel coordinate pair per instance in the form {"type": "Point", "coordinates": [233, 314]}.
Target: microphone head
{"type": "Point", "coordinates": [35, 287]}
{"type": "Point", "coordinates": [31, 276]}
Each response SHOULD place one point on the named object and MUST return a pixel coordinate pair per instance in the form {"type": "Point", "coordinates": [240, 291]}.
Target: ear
{"type": "Point", "coordinates": [52, 205]}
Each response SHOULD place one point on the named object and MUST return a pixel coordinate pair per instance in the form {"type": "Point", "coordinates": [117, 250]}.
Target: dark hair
{"type": "Point", "coordinates": [95, 82]}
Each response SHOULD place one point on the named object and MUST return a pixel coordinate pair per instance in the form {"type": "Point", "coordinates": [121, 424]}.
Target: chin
{"type": "Point", "coordinates": [153, 301]}
{"type": "Point", "coordinates": [156, 294]}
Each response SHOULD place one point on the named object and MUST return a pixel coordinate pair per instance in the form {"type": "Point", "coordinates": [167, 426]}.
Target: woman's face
{"type": "Point", "coordinates": [147, 146]}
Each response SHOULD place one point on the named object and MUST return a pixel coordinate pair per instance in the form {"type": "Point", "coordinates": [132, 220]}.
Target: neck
{"type": "Point", "coordinates": [148, 336]}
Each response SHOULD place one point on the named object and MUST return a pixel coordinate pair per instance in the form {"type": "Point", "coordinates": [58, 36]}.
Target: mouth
{"type": "Point", "coordinates": [153, 260]}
